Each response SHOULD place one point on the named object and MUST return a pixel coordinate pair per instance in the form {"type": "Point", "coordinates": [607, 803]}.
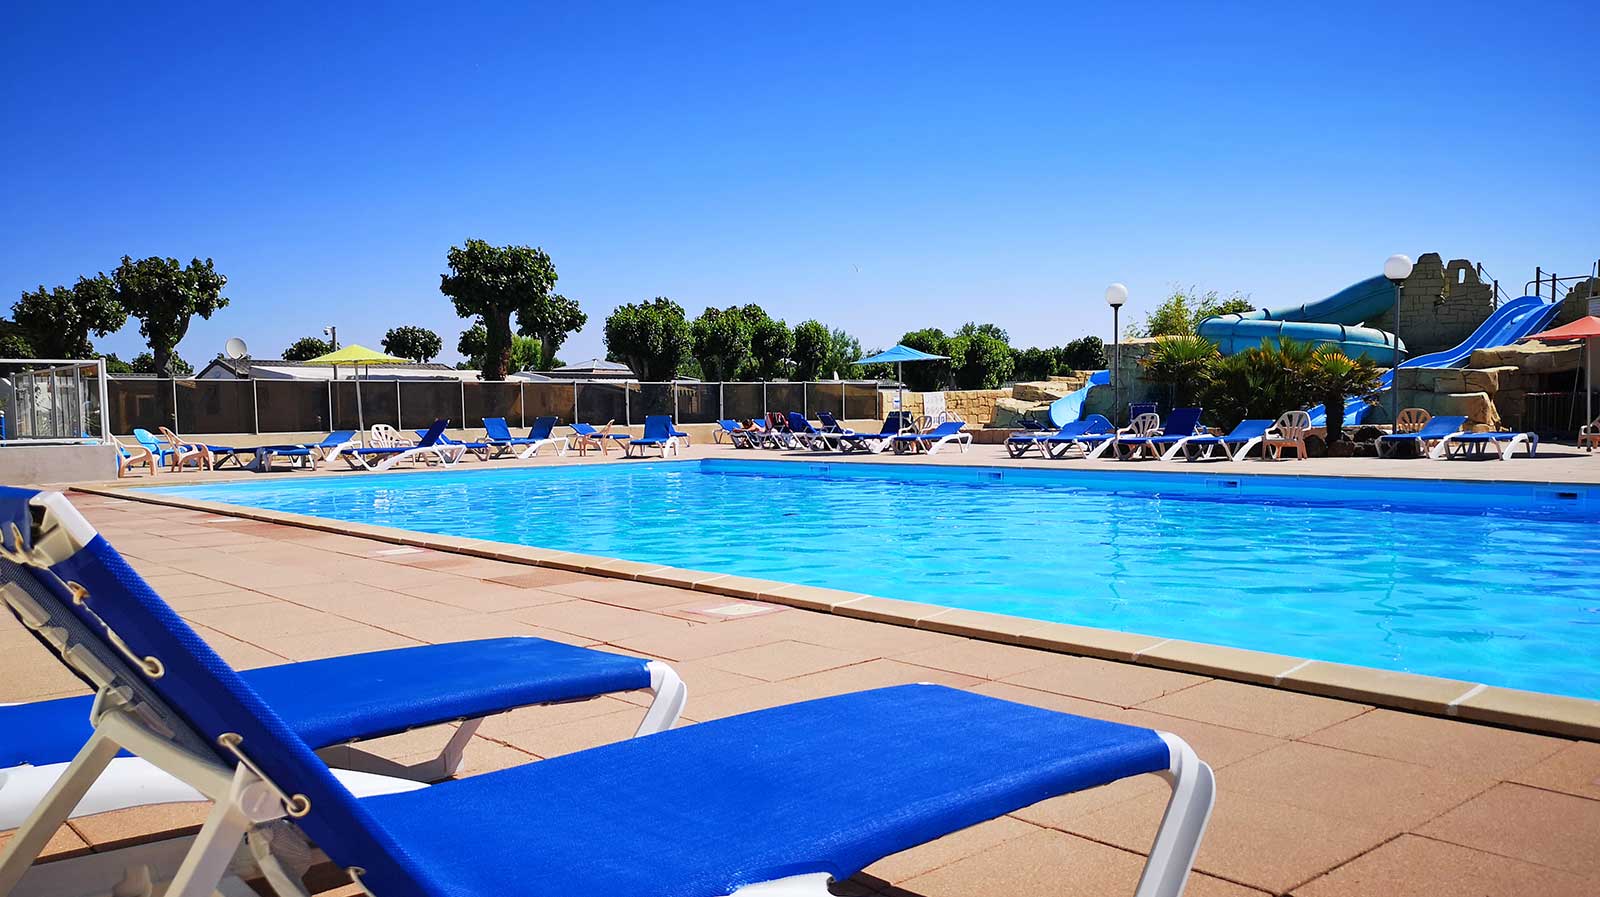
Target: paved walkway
{"type": "Point", "coordinates": [1316, 797]}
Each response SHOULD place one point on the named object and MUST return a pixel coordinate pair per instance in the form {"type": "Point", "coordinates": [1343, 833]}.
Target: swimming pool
{"type": "Point", "coordinates": [1485, 582]}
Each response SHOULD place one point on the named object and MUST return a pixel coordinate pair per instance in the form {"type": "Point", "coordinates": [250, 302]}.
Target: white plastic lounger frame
{"type": "Point", "coordinates": [1453, 446]}
{"type": "Point", "coordinates": [532, 448]}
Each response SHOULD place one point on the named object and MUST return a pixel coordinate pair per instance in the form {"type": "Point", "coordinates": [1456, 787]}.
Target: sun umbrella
{"type": "Point", "coordinates": [900, 355]}
{"type": "Point", "coordinates": [356, 356]}
{"type": "Point", "coordinates": [1586, 329]}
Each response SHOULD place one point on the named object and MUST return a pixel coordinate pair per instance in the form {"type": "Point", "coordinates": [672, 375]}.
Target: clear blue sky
{"type": "Point", "coordinates": [878, 166]}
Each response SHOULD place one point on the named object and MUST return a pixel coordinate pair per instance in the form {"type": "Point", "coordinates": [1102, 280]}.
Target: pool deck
{"type": "Point", "coordinates": [1317, 796]}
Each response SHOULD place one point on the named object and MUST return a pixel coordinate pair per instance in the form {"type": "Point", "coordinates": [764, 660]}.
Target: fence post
{"type": "Point", "coordinates": [574, 401]}
{"type": "Point", "coordinates": [805, 399]}
{"type": "Point", "coordinates": [841, 400]}
{"type": "Point", "coordinates": [174, 382]}
{"type": "Point", "coordinates": [522, 404]}
{"type": "Point", "coordinates": [722, 407]}
{"type": "Point", "coordinates": [399, 421]}
{"type": "Point", "coordinates": [463, 404]}
{"type": "Point", "coordinates": [673, 385]}
{"type": "Point", "coordinates": [627, 404]}
{"type": "Point", "coordinates": [255, 407]}
{"type": "Point", "coordinates": [764, 411]}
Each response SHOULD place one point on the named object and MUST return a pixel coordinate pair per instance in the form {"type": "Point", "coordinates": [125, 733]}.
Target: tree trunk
{"type": "Point", "coordinates": [162, 355]}
{"type": "Point", "coordinates": [547, 352]}
{"type": "Point", "coordinates": [497, 348]}
{"type": "Point", "coordinates": [1333, 407]}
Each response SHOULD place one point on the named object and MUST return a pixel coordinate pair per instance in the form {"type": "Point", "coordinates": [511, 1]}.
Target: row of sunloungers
{"type": "Point", "coordinates": [771, 802]}
{"type": "Point", "coordinates": [1182, 435]}
{"type": "Point", "coordinates": [794, 431]}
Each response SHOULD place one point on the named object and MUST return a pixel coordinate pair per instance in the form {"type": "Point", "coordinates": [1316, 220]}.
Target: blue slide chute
{"type": "Point", "coordinates": [1335, 320]}
{"type": "Point", "coordinates": [1069, 407]}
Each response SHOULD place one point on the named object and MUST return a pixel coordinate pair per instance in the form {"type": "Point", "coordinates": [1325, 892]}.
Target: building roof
{"type": "Point", "coordinates": [244, 368]}
{"type": "Point", "coordinates": [591, 368]}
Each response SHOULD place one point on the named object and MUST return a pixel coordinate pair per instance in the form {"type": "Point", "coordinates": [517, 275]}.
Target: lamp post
{"type": "Point", "coordinates": [1116, 294]}
{"type": "Point", "coordinates": [1396, 268]}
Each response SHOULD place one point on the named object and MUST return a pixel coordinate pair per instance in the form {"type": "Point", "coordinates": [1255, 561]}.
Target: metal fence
{"type": "Point", "coordinates": [44, 399]}
{"type": "Point", "coordinates": [299, 406]}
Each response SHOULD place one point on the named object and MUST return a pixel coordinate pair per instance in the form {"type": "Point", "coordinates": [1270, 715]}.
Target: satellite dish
{"type": "Point", "coordinates": [235, 348]}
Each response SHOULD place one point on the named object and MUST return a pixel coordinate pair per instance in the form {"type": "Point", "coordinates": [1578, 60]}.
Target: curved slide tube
{"type": "Point", "coordinates": [1509, 323]}
{"type": "Point", "coordinates": [1335, 320]}
{"type": "Point", "coordinates": [1069, 407]}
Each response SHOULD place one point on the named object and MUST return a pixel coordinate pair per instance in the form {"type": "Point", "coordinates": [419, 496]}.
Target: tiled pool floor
{"type": "Point", "coordinates": [1316, 797]}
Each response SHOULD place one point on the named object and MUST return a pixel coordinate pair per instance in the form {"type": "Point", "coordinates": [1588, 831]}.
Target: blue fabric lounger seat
{"type": "Point", "coordinates": [657, 434]}
{"type": "Point", "coordinates": [1238, 442]}
{"type": "Point", "coordinates": [432, 446]}
{"type": "Point", "coordinates": [1018, 444]}
{"type": "Point", "coordinates": [1425, 439]}
{"type": "Point", "coordinates": [793, 794]}
{"type": "Point", "coordinates": [1098, 436]}
{"type": "Point", "coordinates": [1180, 427]}
{"type": "Point", "coordinates": [951, 431]}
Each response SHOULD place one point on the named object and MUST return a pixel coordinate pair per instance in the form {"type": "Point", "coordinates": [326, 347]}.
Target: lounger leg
{"type": "Point", "coordinates": [434, 769]}
{"type": "Point", "coordinates": [249, 803]}
{"type": "Point", "coordinates": [671, 694]}
{"type": "Point", "coordinates": [1178, 840]}
{"type": "Point", "coordinates": [46, 818]}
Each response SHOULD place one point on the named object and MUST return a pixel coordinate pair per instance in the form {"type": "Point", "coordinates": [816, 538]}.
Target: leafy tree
{"type": "Point", "coordinates": [550, 321]}
{"type": "Point", "coordinates": [115, 365]}
{"type": "Point", "coordinates": [57, 323]}
{"type": "Point", "coordinates": [165, 296]}
{"type": "Point", "coordinates": [1335, 376]}
{"type": "Point", "coordinates": [306, 348]}
{"type": "Point", "coordinates": [1086, 353]}
{"type": "Point", "coordinates": [1181, 363]}
{"type": "Point", "coordinates": [771, 344]}
{"type": "Point", "coordinates": [1262, 382]}
{"type": "Point", "coordinates": [979, 358]}
{"type": "Point", "coordinates": [811, 344]}
{"type": "Point", "coordinates": [652, 338]}
{"type": "Point", "coordinates": [14, 341]}
{"type": "Point", "coordinates": [1033, 364]}
{"type": "Point", "coordinates": [145, 363]}
{"type": "Point", "coordinates": [721, 342]}
{"type": "Point", "coordinates": [526, 352]}
{"type": "Point", "coordinates": [493, 283]}
{"type": "Point", "coordinates": [1184, 309]}
{"type": "Point", "coordinates": [990, 330]}
{"type": "Point", "coordinates": [840, 361]}
{"type": "Point", "coordinates": [418, 344]}
{"type": "Point", "coordinates": [925, 376]}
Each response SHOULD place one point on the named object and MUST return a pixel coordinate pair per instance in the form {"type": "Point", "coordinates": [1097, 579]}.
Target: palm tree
{"type": "Point", "coordinates": [1183, 363]}
{"type": "Point", "coordinates": [1336, 376]}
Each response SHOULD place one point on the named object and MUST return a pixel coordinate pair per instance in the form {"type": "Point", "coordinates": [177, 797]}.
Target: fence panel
{"type": "Point", "coordinates": [292, 406]}
{"type": "Point", "coordinates": [648, 399]}
{"type": "Point", "coordinates": [140, 402]}
{"type": "Point", "coordinates": [827, 397]}
{"type": "Point", "coordinates": [860, 401]}
{"type": "Point", "coordinates": [600, 403]}
{"type": "Point", "coordinates": [215, 406]}
{"type": "Point", "coordinates": [786, 397]}
{"type": "Point", "coordinates": [424, 401]}
{"type": "Point", "coordinates": [698, 403]}
{"type": "Point", "coordinates": [379, 404]}
{"type": "Point", "coordinates": [743, 401]}
{"type": "Point", "coordinates": [547, 399]}
{"type": "Point", "coordinates": [493, 399]}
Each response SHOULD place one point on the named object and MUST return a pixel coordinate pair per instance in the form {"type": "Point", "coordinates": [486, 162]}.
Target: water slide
{"type": "Point", "coordinates": [1335, 320]}
{"type": "Point", "coordinates": [1069, 407]}
{"type": "Point", "coordinates": [1509, 323]}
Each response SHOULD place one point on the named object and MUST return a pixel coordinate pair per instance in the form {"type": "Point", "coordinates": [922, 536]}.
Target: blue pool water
{"type": "Point", "coordinates": [1496, 583]}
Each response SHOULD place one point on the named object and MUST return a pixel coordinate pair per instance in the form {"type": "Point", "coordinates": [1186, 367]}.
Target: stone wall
{"type": "Point", "coordinates": [1440, 304]}
{"type": "Point", "coordinates": [1133, 388]}
{"type": "Point", "coordinates": [1576, 303]}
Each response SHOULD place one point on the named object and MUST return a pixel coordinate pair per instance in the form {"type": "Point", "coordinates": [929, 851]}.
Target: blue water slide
{"type": "Point", "coordinates": [1509, 323]}
{"type": "Point", "coordinates": [1334, 320]}
{"type": "Point", "coordinates": [1069, 407]}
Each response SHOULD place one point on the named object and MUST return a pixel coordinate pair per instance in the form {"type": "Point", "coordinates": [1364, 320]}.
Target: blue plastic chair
{"type": "Point", "coordinates": [657, 434]}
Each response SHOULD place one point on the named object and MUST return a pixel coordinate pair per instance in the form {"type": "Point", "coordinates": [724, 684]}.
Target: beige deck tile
{"type": "Point", "coordinates": [481, 626]}
{"type": "Point", "coordinates": [1106, 681]}
{"type": "Point", "coordinates": [252, 575]}
{"type": "Point", "coordinates": [338, 642]}
{"type": "Point", "coordinates": [784, 660]}
{"type": "Point", "coordinates": [137, 825]}
{"type": "Point", "coordinates": [707, 608]}
{"type": "Point", "coordinates": [394, 576]}
{"type": "Point", "coordinates": [553, 741]}
{"type": "Point", "coordinates": [888, 610]}
{"type": "Point", "coordinates": [623, 593]}
{"type": "Point", "coordinates": [809, 597]}
{"type": "Point", "coordinates": [677, 577]}
{"type": "Point", "coordinates": [368, 604]}
{"type": "Point", "coordinates": [233, 597]}
{"type": "Point", "coordinates": [1356, 786]}
{"type": "Point", "coordinates": [1261, 843]}
{"type": "Point", "coordinates": [1575, 769]}
{"type": "Point", "coordinates": [1219, 746]}
{"type": "Point", "coordinates": [1407, 691]}
{"type": "Point", "coordinates": [977, 624]}
{"type": "Point", "coordinates": [31, 672]}
{"type": "Point", "coordinates": [1213, 660]}
{"type": "Point", "coordinates": [734, 586]}
{"type": "Point", "coordinates": [1410, 866]}
{"type": "Point", "coordinates": [1047, 863]}
{"type": "Point", "coordinates": [525, 719]}
{"type": "Point", "coordinates": [600, 621]}
{"type": "Point", "coordinates": [1543, 827]}
{"type": "Point", "coordinates": [1441, 743]}
{"type": "Point", "coordinates": [483, 596]}
{"type": "Point", "coordinates": [986, 660]}
{"type": "Point", "coordinates": [702, 641]}
{"type": "Point", "coordinates": [857, 635]}
{"type": "Point", "coordinates": [925, 858]}
{"type": "Point", "coordinates": [254, 622]}
{"type": "Point", "coordinates": [1282, 714]}
{"type": "Point", "coordinates": [482, 755]}
{"type": "Point", "coordinates": [1048, 700]}
{"type": "Point", "coordinates": [539, 577]}
{"type": "Point", "coordinates": [1068, 639]}
{"type": "Point", "coordinates": [183, 585]}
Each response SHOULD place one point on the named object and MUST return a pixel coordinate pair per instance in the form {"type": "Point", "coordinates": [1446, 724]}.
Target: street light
{"type": "Point", "coordinates": [1397, 268]}
{"type": "Point", "coordinates": [1116, 294]}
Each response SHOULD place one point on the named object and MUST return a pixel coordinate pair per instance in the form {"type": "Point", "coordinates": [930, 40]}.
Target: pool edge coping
{"type": "Point", "coordinates": [1547, 714]}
